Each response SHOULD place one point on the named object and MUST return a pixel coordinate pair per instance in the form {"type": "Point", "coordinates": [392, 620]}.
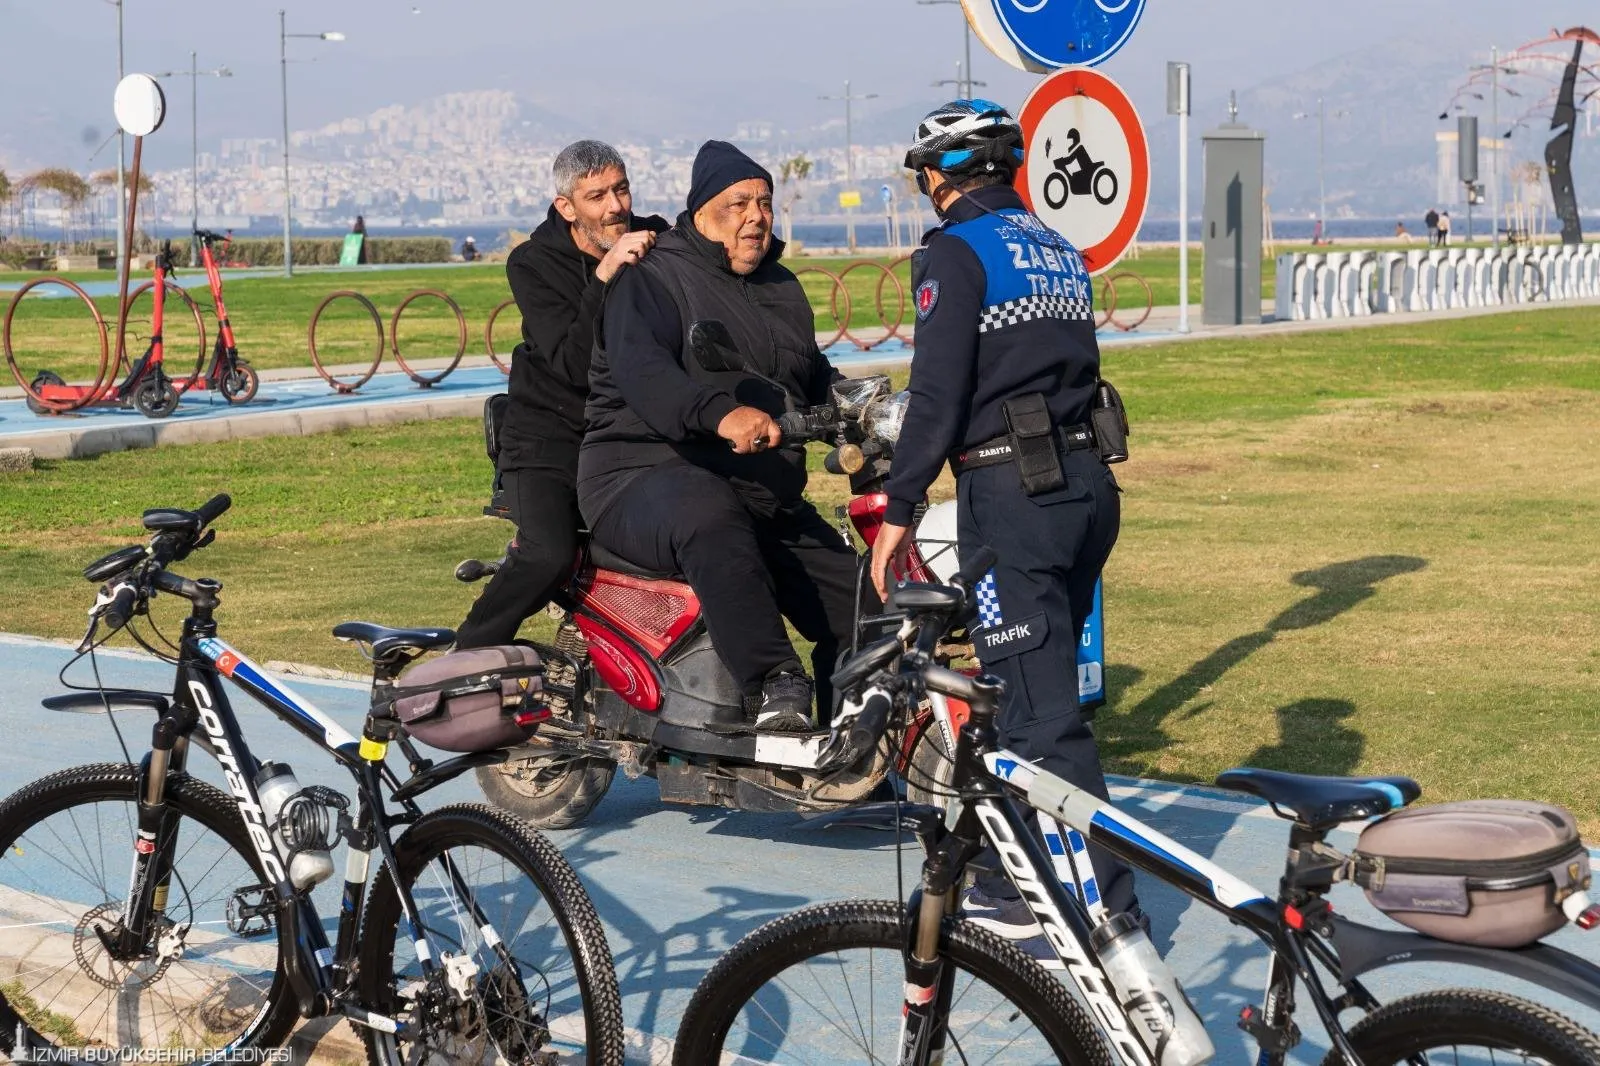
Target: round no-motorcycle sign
{"type": "Point", "coordinates": [1087, 167]}
{"type": "Point", "coordinates": [1041, 35]}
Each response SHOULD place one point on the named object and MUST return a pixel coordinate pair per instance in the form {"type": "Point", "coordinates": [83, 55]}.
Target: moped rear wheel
{"type": "Point", "coordinates": [550, 791]}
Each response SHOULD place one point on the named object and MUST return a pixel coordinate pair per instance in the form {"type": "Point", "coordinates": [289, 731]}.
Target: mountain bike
{"type": "Point", "coordinates": [143, 907]}
{"type": "Point", "coordinates": [914, 983]}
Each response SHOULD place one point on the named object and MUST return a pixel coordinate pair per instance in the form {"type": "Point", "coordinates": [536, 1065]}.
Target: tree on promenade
{"type": "Point", "coordinates": [794, 170]}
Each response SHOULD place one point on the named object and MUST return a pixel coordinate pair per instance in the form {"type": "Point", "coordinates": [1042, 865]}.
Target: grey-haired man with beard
{"type": "Point", "coordinates": [558, 278]}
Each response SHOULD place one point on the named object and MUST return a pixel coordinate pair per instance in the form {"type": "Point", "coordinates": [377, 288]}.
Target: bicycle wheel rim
{"type": "Point", "coordinates": [842, 1003]}
{"type": "Point", "coordinates": [527, 987]}
{"type": "Point", "coordinates": [66, 871]}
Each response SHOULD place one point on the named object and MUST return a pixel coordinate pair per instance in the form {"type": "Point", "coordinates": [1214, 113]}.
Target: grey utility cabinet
{"type": "Point", "coordinates": [1231, 225]}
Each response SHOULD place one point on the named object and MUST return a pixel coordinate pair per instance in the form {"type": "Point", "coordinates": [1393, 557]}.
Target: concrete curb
{"type": "Point", "coordinates": [94, 440]}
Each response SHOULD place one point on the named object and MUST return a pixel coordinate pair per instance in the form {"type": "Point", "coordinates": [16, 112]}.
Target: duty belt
{"type": "Point", "coordinates": [994, 452]}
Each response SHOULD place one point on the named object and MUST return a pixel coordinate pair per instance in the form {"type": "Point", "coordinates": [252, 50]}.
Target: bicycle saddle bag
{"type": "Point", "coordinates": [477, 699]}
{"type": "Point", "coordinates": [1486, 872]}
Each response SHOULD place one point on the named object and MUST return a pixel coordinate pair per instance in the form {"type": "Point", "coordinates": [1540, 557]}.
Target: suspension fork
{"type": "Point", "coordinates": [155, 841]}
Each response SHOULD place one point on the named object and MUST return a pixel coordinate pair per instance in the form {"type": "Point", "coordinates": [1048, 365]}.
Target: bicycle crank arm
{"type": "Point", "coordinates": [382, 1023]}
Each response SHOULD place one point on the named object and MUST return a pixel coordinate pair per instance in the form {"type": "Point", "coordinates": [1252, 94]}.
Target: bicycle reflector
{"type": "Point", "coordinates": [1584, 914]}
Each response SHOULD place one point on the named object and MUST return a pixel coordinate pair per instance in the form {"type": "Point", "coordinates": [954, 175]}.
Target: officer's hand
{"type": "Point", "coordinates": [749, 429]}
{"type": "Point", "coordinates": [630, 248]}
{"type": "Point", "coordinates": [892, 545]}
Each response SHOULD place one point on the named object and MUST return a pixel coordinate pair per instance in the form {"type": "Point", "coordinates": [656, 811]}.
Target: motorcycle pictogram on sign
{"type": "Point", "coordinates": [1077, 174]}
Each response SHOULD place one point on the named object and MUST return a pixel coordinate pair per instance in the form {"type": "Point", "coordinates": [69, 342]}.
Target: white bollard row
{"type": "Point", "coordinates": [1324, 285]}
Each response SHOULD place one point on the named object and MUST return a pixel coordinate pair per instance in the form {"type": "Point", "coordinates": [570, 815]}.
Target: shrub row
{"type": "Point", "coordinates": [324, 251]}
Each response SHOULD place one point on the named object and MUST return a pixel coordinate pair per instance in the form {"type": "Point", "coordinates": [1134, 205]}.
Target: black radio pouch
{"type": "Point", "coordinates": [1110, 422]}
{"type": "Point", "coordinates": [1034, 446]}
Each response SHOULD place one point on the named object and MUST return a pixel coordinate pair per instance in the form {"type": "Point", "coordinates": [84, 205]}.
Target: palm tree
{"type": "Point", "coordinates": [5, 196]}
{"type": "Point", "coordinates": [796, 169]}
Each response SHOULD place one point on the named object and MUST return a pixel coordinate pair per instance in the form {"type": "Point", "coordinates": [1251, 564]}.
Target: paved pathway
{"type": "Point", "coordinates": [676, 886]}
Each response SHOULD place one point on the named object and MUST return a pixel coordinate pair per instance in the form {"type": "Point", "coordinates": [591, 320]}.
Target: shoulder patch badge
{"type": "Point", "coordinates": [927, 297]}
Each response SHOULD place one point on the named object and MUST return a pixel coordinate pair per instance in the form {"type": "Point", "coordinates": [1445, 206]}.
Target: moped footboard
{"type": "Point", "coordinates": [1363, 949]}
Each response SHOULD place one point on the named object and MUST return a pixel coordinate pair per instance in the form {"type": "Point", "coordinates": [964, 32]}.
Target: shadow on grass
{"type": "Point", "coordinates": [1337, 588]}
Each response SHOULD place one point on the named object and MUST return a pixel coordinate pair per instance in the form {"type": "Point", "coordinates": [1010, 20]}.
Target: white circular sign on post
{"type": "Point", "coordinates": [1087, 167]}
{"type": "Point", "coordinates": [140, 104]}
{"type": "Point", "coordinates": [992, 32]}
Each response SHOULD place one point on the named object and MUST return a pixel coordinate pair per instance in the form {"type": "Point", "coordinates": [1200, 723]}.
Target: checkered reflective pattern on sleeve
{"type": "Point", "coordinates": [988, 598]}
{"type": "Point", "coordinates": [1029, 308]}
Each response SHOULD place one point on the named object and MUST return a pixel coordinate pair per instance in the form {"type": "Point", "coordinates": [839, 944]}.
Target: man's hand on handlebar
{"type": "Point", "coordinates": [748, 430]}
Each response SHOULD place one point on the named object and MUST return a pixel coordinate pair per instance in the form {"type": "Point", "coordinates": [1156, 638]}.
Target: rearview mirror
{"type": "Point", "coordinates": [713, 346]}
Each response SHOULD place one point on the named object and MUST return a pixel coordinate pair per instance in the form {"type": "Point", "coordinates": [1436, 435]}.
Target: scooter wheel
{"type": "Point", "coordinates": [44, 377]}
{"type": "Point", "coordinates": [155, 398]}
{"type": "Point", "coordinates": [239, 385]}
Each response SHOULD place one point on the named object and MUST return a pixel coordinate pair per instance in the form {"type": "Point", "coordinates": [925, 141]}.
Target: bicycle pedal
{"type": "Point", "coordinates": [1272, 1039]}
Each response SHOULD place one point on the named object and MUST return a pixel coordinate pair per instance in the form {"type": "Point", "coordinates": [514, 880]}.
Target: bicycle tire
{"type": "Point", "coordinates": [830, 927]}
{"type": "Point", "coordinates": [311, 340]}
{"type": "Point", "coordinates": [193, 800]}
{"type": "Point", "coordinates": [1490, 1020]}
{"type": "Point", "coordinates": [427, 380]}
{"type": "Point", "coordinates": [181, 382]}
{"type": "Point", "coordinates": [537, 861]}
{"type": "Point", "coordinates": [488, 338]}
{"type": "Point", "coordinates": [105, 376]}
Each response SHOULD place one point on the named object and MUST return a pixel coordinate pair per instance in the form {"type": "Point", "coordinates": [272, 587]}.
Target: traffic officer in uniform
{"type": "Point", "coordinates": [1002, 385]}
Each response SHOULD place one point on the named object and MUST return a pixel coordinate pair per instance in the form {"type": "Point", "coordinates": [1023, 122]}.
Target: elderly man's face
{"type": "Point", "coordinates": [740, 218]}
{"type": "Point", "coordinates": [599, 209]}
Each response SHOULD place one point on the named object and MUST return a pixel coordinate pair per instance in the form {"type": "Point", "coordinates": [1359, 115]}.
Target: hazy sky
{"type": "Point", "coordinates": [685, 68]}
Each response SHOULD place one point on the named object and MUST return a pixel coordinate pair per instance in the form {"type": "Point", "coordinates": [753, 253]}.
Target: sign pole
{"type": "Point", "coordinates": [1178, 103]}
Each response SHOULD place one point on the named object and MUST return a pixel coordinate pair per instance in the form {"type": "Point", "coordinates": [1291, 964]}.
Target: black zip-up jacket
{"type": "Point", "coordinates": [650, 399]}
{"type": "Point", "coordinates": [554, 285]}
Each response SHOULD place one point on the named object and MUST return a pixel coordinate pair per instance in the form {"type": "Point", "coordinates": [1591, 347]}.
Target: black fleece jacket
{"type": "Point", "coordinates": [556, 290]}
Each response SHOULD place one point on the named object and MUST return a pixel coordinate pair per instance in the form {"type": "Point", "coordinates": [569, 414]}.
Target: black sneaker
{"type": "Point", "coordinates": [1009, 918]}
{"type": "Point", "coordinates": [785, 705]}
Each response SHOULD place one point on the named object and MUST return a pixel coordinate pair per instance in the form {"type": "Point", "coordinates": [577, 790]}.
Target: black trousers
{"type": "Point", "coordinates": [1050, 551]}
{"type": "Point", "coordinates": [750, 572]}
{"type": "Point", "coordinates": [544, 505]}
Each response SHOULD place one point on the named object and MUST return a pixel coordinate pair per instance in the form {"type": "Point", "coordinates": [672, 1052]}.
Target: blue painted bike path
{"type": "Point", "coordinates": [676, 886]}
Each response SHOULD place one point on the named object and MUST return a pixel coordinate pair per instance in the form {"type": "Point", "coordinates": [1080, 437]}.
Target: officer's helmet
{"type": "Point", "coordinates": [967, 137]}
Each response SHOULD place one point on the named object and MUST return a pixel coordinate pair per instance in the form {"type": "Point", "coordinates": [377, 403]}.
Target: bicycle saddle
{"type": "Point", "coordinates": [1322, 802]}
{"type": "Point", "coordinates": [606, 559]}
{"type": "Point", "coordinates": [386, 641]}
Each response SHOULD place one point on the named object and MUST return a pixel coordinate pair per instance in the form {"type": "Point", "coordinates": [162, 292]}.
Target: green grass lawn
{"type": "Point", "coordinates": [1366, 551]}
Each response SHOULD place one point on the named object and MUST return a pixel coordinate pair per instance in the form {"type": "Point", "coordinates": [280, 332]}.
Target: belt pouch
{"type": "Point", "coordinates": [1033, 443]}
{"type": "Point", "coordinates": [1110, 421]}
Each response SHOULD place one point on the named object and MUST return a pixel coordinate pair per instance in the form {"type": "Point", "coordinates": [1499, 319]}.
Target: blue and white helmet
{"type": "Point", "coordinates": [967, 137]}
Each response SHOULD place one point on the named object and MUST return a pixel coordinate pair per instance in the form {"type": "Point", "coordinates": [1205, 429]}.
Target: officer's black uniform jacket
{"type": "Point", "coordinates": [651, 400]}
{"type": "Point", "coordinates": [1003, 308]}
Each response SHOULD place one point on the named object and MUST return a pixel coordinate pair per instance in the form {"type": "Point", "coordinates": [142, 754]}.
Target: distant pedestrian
{"type": "Point", "coordinates": [361, 228]}
{"type": "Point", "coordinates": [1401, 233]}
{"type": "Point", "coordinates": [1316, 232]}
{"type": "Point", "coordinates": [1444, 229]}
{"type": "Point", "coordinates": [1431, 220]}
{"type": "Point", "coordinates": [469, 250]}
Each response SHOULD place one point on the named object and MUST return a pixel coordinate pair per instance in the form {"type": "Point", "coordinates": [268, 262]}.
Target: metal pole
{"type": "Point", "coordinates": [194, 145]}
{"type": "Point", "coordinates": [1322, 152]}
{"type": "Point", "coordinates": [122, 181]}
{"type": "Point", "coordinates": [849, 169]}
{"type": "Point", "coordinates": [283, 62]}
{"type": "Point", "coordinates": [1494, 149]}
{"type": "Point", "coordinates": [1183, 219]}
{"type": "Point", "coordinates": [966, 28]}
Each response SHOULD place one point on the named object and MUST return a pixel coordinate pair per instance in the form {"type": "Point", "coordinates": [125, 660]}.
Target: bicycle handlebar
{"type": "Point", "coordinates": [213, 508]}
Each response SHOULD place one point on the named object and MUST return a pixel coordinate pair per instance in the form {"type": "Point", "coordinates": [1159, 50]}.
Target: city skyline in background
{"type": "Point", "coordinates": [423, 115]}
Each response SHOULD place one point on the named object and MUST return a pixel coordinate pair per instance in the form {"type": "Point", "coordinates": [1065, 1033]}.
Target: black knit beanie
{"type": "Point", "coordinates": [718, 165]}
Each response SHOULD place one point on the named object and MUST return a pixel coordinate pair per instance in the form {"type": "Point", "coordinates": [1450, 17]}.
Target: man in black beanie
{"type": "Point", "coordinates": [682, 467]}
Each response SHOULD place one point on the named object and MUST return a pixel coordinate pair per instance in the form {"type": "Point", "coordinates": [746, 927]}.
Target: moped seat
{"type": "Point", "coordinates": [1321, 802]}
{"type": "Point", "coordinates": [605, 559]}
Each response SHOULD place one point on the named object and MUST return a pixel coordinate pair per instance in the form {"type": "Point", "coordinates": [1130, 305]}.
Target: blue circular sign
{"type": "Point", "coordinates": [1061, 33]}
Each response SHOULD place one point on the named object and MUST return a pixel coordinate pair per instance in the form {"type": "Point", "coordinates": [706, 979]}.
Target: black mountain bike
{"type": "Point", "coordinates": [913, 984]}
{"type": "Point", "coordinates": [141, 907]}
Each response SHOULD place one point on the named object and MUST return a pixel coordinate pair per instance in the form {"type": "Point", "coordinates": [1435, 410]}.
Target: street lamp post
{"type": "Point", "coordinates": [283, 63]}
{"type": "Point", "coordinates": [849, 155]}
{"type": "Point", "coordinates": [122, 144]}
{"type": "Point", "coordinates": [966, 27]}
{"type": "Point", "coordinates": [1322, 156]}
{"type": "Point", "coordinates": [194, 73]}
{"type": "Point", "coordinates": [964, 85]}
